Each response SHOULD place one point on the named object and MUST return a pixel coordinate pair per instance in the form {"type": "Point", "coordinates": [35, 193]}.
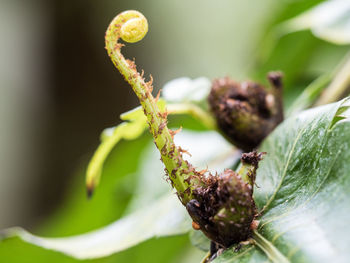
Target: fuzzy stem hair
{"type": "Point", "coordinates": [132, 26]}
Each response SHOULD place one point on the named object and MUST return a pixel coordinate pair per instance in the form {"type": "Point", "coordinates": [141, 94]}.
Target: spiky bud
{"type": "Point", "coordinates": [246, 112]}
{"type": "Point", "coordinates": [224, 209]}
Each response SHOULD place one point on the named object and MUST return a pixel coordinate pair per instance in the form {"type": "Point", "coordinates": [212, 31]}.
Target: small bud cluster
{"type": "Point", "coordinates": [224, 209]}
{"type": "Point", "coordinates": [246, 112]}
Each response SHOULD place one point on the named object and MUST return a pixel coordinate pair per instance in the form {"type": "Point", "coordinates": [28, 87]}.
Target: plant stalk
{"type": "Point", "coordinates": [181, 173]}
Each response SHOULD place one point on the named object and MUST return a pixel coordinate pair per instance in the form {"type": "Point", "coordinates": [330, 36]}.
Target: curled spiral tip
{"type": "Point", "coordinates": [134, 30]}
{"type": "Point", "coordinates": [133, 26]}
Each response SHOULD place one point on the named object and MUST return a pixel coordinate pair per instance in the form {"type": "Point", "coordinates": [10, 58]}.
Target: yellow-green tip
{"type": "Point", "coordinates": [133, 26]}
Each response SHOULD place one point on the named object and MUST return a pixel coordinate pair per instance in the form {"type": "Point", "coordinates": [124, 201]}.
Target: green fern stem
{"type": "Point", "coordinates": [132, 26]}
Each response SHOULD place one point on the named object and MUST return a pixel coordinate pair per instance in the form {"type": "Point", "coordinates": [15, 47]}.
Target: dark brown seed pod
{"type": "Point", "coordinates": [224, 209]}
{"type": "Point", "coordinates": [246, 112]}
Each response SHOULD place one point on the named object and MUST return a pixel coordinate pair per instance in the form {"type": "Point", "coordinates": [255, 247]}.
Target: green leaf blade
{"type": "Point", "coordinates": [303, 189]}
{"type": "Point", "coordinates": [328, 20]}
{"type": "Point", "coordinates": [165, 217]}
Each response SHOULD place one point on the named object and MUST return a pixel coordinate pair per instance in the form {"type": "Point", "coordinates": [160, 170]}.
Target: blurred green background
{"type": "Point", "coordinates": [59, 90]}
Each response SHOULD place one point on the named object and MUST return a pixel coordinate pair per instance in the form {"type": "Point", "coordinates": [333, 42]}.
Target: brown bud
{"type": "Point", "coordinates": [225, 209]}
{"type": "Point", "coordinates": [246, 112]}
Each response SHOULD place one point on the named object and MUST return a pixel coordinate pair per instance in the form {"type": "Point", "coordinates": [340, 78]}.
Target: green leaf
{"type": "Point", "coordinates": [109, 138]}
{"type": "Point", "coordinates": [329, 21]}
{"type": "Point", "coordinates": [164, 217]}
{"type": "Point", "coordinates": [303, 191]}
{"type": "Point", "coordinates": [134, 125]}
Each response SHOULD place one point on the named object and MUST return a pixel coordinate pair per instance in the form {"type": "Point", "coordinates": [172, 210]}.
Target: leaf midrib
{"type": "Point", "coordinates": [328, 130]}
{"type": "Point", "coordinates": [304, 203]}
{"type": "Point", "coordinates": [284, 172]}
{"type": "Point", "coordinates": [269, 249]}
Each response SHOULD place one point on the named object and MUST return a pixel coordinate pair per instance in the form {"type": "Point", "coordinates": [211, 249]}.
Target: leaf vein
{"type": "Point", "coordinates": [284, 172]}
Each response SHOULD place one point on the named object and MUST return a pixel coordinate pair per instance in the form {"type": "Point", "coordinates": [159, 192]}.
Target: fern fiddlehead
{"type": "Point", "coordinates": [132, 26]}
{"type": "Point", "coordinates": [220, 205]}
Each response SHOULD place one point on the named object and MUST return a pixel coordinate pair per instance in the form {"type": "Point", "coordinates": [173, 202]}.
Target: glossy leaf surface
{"type": "Point", "coordinates": [165, 217]}
{"type": "Point", "coordinates": [303, 191]}
{"type": "Point", "coordinates": [330, 20]}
